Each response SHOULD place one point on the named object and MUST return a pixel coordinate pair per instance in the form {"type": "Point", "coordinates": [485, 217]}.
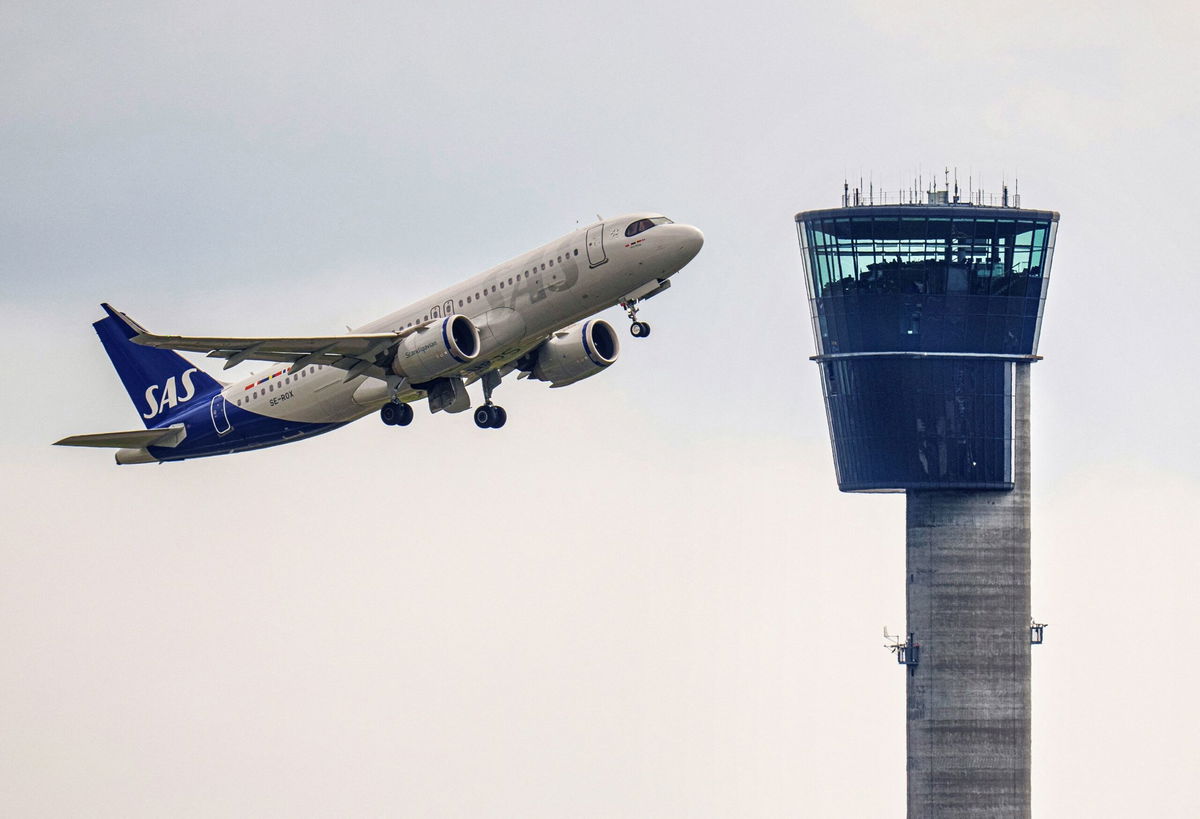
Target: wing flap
{"type": "Point", "coordinates": [134, 439]}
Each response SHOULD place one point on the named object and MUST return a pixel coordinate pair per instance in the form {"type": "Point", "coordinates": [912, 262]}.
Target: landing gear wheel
{"type": "Point", "coordinates": [490, 417]}
{"type": "Point", "coordinates": [639, 329]}
{"type": "Point", "coordinates": [395, 414]}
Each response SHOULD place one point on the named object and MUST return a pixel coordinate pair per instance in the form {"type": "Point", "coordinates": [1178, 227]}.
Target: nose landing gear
{"type": "Point", "coordinates": [638, 329]}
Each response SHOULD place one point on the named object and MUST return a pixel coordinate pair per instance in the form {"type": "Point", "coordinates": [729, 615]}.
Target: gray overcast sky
{"type": "Point", "coordinates": [646, 596]}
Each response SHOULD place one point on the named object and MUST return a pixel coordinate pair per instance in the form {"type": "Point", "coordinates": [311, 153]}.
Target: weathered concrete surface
{"type": "Point", "coordinates": [968, 609]}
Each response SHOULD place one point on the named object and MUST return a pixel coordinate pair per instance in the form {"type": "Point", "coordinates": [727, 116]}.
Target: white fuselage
{"type": "Point", "coordinates": [515, 306]}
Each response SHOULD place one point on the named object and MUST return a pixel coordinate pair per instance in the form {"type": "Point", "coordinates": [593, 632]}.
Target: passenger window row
{"type": "Point", "coordinates": [270, 387]}
{"type": "Point", "coordinates": [500, 285]}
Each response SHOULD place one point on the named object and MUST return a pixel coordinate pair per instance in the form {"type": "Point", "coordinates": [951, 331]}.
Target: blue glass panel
{"type": "Point", "coordinates": [909, 424]}
{"type": "Point", "coordinates": [910, 228]}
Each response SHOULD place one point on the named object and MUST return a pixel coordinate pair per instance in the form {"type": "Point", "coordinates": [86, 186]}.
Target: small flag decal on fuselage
{"type": "Point", "coordinates": [262, 381]}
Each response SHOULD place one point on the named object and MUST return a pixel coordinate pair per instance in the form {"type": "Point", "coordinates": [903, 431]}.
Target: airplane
{"type": "Point", "coordinates": [533, 314]}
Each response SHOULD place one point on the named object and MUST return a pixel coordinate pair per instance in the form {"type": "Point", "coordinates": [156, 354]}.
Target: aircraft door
{"type": "Point", "coordinates": [220, 417]}
{"type": "Point", "coordinates": [595, 246]}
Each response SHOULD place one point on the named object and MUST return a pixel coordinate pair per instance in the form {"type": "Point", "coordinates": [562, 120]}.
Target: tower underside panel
{"type": "Point", "coordinates": [900, 423]}
{"type": "Point", "coordinates": [968, 608]}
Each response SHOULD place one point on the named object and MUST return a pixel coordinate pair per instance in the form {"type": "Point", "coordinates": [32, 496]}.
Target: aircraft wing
{"type": "Point", "coordinates": [358, 353]}
{"type": "Point", "coordinates": [134, 439]}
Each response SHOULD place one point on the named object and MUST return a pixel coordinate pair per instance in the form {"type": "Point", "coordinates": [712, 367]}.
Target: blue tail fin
{"type": "Point", "coordinates": [160, 383]}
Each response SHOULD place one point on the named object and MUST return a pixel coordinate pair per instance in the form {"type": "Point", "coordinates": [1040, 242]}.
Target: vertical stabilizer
{"type": "Point", "coordinates": [161, 383]}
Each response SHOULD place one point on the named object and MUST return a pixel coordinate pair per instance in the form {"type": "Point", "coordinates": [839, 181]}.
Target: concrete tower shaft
{"type": "Point", "coordinates": [968, 609]}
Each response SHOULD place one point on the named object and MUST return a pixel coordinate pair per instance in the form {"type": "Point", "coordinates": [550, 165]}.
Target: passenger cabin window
{"type": "Point", "coordinates": [642, 225]}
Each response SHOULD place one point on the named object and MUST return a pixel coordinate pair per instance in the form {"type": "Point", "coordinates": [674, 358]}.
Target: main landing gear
{"type": "Point", "coordinates": [490, 416]}
{"type": "Point", "coordinates": [396, 414]}
{"type": "Point", "coordinates": [638, 329]}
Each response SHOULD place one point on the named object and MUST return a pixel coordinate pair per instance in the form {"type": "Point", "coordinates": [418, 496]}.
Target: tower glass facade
{"type": "Point", "coordinates": [929, 279]}
{"type": "Point", "coordinates": [919, 312]}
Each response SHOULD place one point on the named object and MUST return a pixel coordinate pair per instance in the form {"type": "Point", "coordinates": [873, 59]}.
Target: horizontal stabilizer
{"type": "Point", "coordinates": [134, 439]}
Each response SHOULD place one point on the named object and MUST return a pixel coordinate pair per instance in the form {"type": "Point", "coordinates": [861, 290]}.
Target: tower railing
{"type": "Point", "coordinates": [857, 198]}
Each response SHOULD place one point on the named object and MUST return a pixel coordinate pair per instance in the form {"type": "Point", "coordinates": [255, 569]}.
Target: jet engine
{"type": "Point", "coordinates": [436, 349]}
{"type": "Point", "coordinates": [576, 352]}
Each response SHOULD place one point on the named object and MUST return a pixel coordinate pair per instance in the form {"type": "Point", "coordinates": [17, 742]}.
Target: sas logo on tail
{"type": "Point", "coordinates": [170, 396]}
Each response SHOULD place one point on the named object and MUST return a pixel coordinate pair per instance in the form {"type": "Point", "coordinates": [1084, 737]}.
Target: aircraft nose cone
{"type": "Point", "coordinates": [691, 241]}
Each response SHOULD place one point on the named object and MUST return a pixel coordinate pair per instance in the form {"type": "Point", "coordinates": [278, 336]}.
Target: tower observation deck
{"type": "Point", "coordinates": [926, 317]}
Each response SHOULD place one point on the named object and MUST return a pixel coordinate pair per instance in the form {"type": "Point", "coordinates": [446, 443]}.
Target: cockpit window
{"type": "Point", "coordinates": [642, 225]}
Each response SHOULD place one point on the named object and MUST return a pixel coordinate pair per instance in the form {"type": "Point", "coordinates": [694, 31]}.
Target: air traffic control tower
{"type": "Point", "coordinates": [926, 307]}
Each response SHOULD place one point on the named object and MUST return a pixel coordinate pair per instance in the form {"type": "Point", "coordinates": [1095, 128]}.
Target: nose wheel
{"type": "Point", "coordinates": [396, 414]}
{"type": "Point", "coordinates": [638, 329]}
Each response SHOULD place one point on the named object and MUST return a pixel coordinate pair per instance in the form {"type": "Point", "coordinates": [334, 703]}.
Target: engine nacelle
{"type": "Point", "coordinates": [437, 349]}
{"type": "Point", "coordinates": [577, 352]}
